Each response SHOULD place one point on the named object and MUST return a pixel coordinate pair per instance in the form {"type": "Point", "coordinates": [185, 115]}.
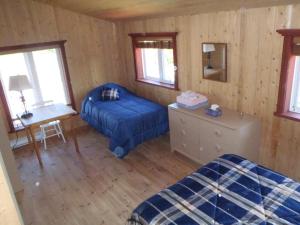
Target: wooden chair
{"type": "Point", "coordinates": [50, 129]}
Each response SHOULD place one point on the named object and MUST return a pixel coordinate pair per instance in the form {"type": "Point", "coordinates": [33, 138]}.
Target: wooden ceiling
{"type": "Point", "coordinates": [133, 9]}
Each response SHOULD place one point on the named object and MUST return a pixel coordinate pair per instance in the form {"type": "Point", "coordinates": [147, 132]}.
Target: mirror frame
{"type": "Point", "coordinates": [225, 70]}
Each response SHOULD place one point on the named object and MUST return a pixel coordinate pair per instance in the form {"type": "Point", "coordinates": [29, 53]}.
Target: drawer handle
{"type": "Point", "coordinates": [183, 132]}
{"type": "Point", "coordinates": [218, 133]}
{"type": "Point", "coordinates": [183, 145]}
{"type": "Point", "coordinates": [201, 149]}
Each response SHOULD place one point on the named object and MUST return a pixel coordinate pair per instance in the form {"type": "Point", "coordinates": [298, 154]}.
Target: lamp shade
{"type": "Point", "coordinates": [19, 83]}
{"type": "Point", "coordinates": [208, 48]}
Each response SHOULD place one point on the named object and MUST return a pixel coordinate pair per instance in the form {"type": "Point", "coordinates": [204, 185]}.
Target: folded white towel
{"type": "Point", "coordinates": [191, 98]}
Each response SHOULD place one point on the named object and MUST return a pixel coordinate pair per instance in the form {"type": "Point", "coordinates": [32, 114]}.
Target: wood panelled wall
{"type": "Point", "coordinates": [99, 51]}
{"type": "Point", "coordinates": [91, 44]}
{"type": "Point", "coordinates": [254, 60]}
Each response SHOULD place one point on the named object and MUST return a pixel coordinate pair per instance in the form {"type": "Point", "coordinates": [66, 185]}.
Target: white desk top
{"type": "Point", "coordinates": [47, 113]}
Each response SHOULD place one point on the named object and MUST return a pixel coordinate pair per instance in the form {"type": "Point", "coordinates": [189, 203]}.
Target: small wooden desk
{"type": "Point", "coordinates": [46, 114]}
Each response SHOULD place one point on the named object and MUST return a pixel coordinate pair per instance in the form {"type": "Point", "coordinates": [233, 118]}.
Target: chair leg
{"type": "Point", "coordinates": [57, 130]}
{"type": "Point", "coordinates": [61, 133]}
{"type": "Point", "coordinates": [44, 138]}
{"type": "Point", "coordinates": [45, 144]}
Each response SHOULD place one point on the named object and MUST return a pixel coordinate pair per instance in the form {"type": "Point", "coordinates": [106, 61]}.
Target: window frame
{"type": "Point", "coordinates": [287, 75]}
{"type": "Point", "coordinates": [138, 63]}
{"type": "Point", "coordinates": [60, 44]}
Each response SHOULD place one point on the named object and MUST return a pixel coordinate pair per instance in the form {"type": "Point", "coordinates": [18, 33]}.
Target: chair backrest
{"type": "Point", "coordinates": [43, 103]}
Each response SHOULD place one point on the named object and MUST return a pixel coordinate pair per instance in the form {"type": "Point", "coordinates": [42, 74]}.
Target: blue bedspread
{"type": "Point", "coordinates": [127, 122]}
{"type": "Point", "coordinates": [228, 190]}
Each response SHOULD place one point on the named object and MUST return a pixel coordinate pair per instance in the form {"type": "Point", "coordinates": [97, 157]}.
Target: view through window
{"type": "Point", "coordinates": [158, 64]}
{"type": "Point", "coordinates": [45, 72]}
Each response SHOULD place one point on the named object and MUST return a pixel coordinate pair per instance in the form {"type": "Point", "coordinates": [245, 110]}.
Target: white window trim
{"type": "Point", "coordinates": [63, 76]}
{"type": "Point", "coordinates": [32, 75]}
{"type": "Point", "coordinates": [296, 87]}
{"type": "Point", "coordinates": [161, 68]}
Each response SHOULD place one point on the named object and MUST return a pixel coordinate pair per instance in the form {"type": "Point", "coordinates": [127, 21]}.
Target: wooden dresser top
{"type": "Point", "coordinates": [230, 119]}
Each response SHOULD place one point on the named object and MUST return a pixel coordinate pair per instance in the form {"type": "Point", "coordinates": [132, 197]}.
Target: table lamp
{"type": "Point", "coordinates": [208, 48]}
{"type": "Point", "coordinates": [20, 83]}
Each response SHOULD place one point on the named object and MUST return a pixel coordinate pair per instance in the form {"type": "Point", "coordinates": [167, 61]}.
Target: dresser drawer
{"type": "Point", "coordinates": [184, 133]}
{"type": "Point", "coordinates": [219, 138]}
{"type": "Point", "coordinates": [209, 151]}
{"type": "Point", "coordinates": [188, 149]}
{"type": "Point", "coordinates": [202, 153]}
{"type": "Point", "coordinates": [183, 126]}
{"type": "Point", "coordinates": [180, 120]}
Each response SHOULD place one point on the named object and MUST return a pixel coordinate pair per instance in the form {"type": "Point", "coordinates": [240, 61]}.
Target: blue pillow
{"type": "Point", "coordinates": [110, 94]}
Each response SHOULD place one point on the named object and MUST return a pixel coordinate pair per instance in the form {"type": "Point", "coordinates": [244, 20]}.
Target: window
{"type": "Point", "coordinates": [288, 104]}
{"type": "Point", "coordinates": [46, 70]}
{"type": "Point", "coordinates": [155, 58]}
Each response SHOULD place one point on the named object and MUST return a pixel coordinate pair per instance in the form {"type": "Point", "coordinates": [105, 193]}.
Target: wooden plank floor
{"type": "Point", "coordinates": [94, 188]}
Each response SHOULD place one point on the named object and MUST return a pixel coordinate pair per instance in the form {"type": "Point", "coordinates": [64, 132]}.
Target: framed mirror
{"type": "Point", "coordinates": [214, 61]}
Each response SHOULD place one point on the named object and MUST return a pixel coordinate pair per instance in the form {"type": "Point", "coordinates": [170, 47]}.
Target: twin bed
{"type": "Point", "coordinates": [127, 122]}
{"type": "Point", "coordinates": [228, 190]}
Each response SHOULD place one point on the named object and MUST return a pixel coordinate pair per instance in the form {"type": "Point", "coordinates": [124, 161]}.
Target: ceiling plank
{"type": "Point", "coordinates": [136, 9]}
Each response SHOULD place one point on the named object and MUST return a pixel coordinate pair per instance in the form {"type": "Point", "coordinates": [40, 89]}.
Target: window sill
{"type": "Point", "coordinates": [157, 83]}
{"type": "Point", "coordinates": [289, 115]}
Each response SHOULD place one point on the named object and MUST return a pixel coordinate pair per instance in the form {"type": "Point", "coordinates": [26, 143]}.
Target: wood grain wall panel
{"type": "Point", "coordinates": [189, 52]}
{"type": "Point", "coordinates": [266, 60]}
{"type": "Point", "coordinates": [43, 20]}
{"type": "Point", "coordinates": [254, 61]}
{"type": "Point", "coordinates": [91, 46]}
{"type": "Point", "coordinates": [100, 51]}
{"type": "Point", "coordinates": [295, 15]}
{"type": "Point", "coordinates": [133, 9]}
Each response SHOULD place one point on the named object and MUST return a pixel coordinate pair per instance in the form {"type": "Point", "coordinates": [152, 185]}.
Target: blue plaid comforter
{"type": "Point", "coordinates": [228, 190]}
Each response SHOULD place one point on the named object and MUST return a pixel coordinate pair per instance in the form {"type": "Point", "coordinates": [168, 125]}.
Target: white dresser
{"type": "Point", "coordinates": [203, 138]}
